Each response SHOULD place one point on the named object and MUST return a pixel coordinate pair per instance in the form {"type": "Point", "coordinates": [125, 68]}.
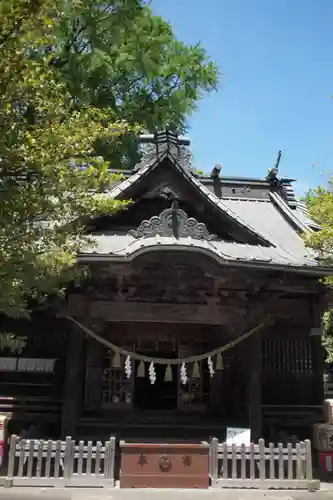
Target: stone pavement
{"type": "Point", "coordinates": [152, 494]}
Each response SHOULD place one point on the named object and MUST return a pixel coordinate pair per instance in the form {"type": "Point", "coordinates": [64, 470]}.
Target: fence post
{"type": "Point", "coordinates": [68, 458]}
{"type": "Point", "coordinates": [213, 455]}
{"type": "Point", "coordinates": [21, 457]}
{"type": "Point", "coordinates": [112, 457]}
{"type": "Point", "coordinates": [262, 461]}
{"type": "Point", "coordinates": [308, 460]}
{"type": "Point", "coordinates": [308, 466]}
{"type": "Point", "coordinates": [11, 462]}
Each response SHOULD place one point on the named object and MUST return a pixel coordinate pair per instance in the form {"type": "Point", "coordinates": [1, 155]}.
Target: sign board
{"type": "Point", "coordinates": [236, 435]}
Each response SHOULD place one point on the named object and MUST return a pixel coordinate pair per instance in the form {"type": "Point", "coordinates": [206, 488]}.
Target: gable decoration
{"type": "Point", "coordinates": [173, 222]}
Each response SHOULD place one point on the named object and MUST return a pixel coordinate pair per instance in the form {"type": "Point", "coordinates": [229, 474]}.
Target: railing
{"type": "Point", "coordinates": [69, 464]}
{"type": "Point", "coordinates": [261, 467]}
{"type": "Point", "coordinates": [31, 406]}
{"type": "Point", "coordinates": [60, 463]}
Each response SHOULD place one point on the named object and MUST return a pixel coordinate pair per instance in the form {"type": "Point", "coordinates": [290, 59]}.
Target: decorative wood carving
{"type": "Point", "coordinates": [196, 270]}
{"type": "Point", "coordinates": [156, 282]}
{"type": "Point", "coordinates": [145, 312]}
{"type": "Point", "coordinates": [173, 222]}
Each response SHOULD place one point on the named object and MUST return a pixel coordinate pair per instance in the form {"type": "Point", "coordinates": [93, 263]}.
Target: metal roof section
{"type": "Point", "coordinates": [220, 204]}
{"type": "Point", "coordinates": [303, 215]}
{"type": "Point", "coordinates": [273, 224]}
{"type": "Point", "coordinates": [145, 167]}
{"type": "Point", "coordinates": [119, 247]}
{"type": "Point", "coordinates": [291, 214]}
{"type": "Point", "coordinates": [159, 233]}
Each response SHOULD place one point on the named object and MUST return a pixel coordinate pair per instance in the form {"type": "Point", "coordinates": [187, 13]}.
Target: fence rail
{"type": "Point", "coordinates": [258, 466]}
{"type": "Point", "coordinates": [60, 463]}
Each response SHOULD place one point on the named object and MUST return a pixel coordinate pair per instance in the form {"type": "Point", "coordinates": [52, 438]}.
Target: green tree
{"type": "Point", "coordinates": [115, 54]}
{"type": "Point", "coordinates": [320, 205]}
{"type": "Point", "coordinates": [50, 180]}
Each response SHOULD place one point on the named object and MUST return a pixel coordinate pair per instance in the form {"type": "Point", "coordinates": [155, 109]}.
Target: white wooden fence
{"type": "Point", "coordinates": [261, 467]}
{"type": "Point", "coordinates": [60, 463]}
{"type": "Point", "coordinates": [69, 464]}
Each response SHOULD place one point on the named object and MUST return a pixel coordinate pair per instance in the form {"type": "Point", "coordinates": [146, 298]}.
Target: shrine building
{"type": "Point", "coordinates": [201, 312]}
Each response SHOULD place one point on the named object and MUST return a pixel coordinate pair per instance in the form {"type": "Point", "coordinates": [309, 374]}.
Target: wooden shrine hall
{"type": "Point", "coordinates": [201, 312]}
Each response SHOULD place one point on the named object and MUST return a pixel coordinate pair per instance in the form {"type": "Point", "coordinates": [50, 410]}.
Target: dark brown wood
{"type": "Point", "coordinates": [318, 358]}
{"type": "Point", "coordinates": [254, 394]}
{"type": "Point", "coordinates": [94, 372]}
{"type": "Point", "coordinates": [73, 382]}
{"type": "Point", "coordinates": [153, 312]}
{"type": "Point", "coordinates": [318, 353]}
{"type": "Point", "coordinates": [164, 465]}
{"type": "Point", "coordinates": [158, 305]}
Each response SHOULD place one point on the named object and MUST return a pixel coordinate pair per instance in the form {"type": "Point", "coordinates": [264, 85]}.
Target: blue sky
{"type": "Point", "coordinates": [276, 60]}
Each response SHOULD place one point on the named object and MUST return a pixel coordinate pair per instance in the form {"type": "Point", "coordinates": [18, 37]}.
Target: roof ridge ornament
{"type": "Point", "coordinates": [173, 222]}
{"type": "Point", "coordinates": [282, 184]}
{"type": "Point", "coordinates": [165, 141]}
{"type": "Point", "coordinates": [272, 176]}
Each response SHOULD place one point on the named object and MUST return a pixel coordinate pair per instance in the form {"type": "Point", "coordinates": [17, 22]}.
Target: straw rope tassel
{"type": "Point", "coordinates": [196, 370]}
{"type": "Point", "coordinates": [219, 362]}
{"type": "Point", "coordinates": [141, 372]}
{"type": "Point", "coordinates": [116, 362]}
{"type": "Point", "coordinates": [168, 374]}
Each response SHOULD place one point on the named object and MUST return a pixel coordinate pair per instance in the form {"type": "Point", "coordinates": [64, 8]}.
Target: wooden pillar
{"type": "Point", "coordinates": [318, 352]}
{"type": "Point", "coordinates": [72, 396]}
{"type": "Point", "coordinates": [216, 382]}
{"type": "Point", "coordinates": [318, 363]}
{"type": "Point", "coordinates": [255, 389]}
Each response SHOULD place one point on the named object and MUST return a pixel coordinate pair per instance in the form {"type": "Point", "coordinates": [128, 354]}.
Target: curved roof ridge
{"type": "Point", "coordinates": [128, 248]}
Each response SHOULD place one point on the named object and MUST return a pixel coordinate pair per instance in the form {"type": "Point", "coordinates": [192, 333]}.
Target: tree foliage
{"type": "Point", "coordinates": [49, 175]}
{"type": "Point", "coordinates": [320, 205]}
{"type": "Point", "coordinates": [115, 54]}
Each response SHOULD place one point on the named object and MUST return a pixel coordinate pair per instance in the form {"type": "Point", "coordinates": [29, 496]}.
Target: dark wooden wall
{"type": "Point", "coordinates": [32, 397]}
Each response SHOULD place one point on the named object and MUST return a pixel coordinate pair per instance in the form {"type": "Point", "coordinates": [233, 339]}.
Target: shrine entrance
{"type": "Point", "coordinates": [163, 394]}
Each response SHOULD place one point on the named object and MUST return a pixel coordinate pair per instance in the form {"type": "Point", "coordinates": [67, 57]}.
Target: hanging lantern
{"type": "Point", "coordinates": [116, 362]}
{"type": "Point", "coordinates": [128, 367]}
{"type": "Point", "coordinates": [141, 372]}
{"type": "Point", "coordinates": [168, 374]}
{"type": "Point", "coordinates": [219, 362]}
{"type": "Point", "coordinates": [196, 370]}
{"type": "Point", "coordinates": [210, 366]}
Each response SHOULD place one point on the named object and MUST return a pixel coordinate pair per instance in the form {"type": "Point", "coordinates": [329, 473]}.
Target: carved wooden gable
{"type": "Point", "coordinates": [167, 204]}
{"type": "Point", "coordinates": [173, 222]}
